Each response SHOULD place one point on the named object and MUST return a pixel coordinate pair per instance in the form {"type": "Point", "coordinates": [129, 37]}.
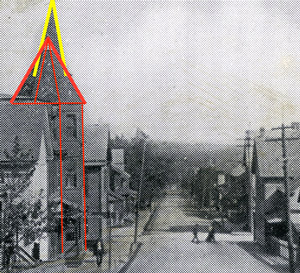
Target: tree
{"type": "Point", "coordinates": [24, 217]}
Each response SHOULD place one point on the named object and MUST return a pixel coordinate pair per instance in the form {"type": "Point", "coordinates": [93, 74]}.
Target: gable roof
{"type": "Point", "coordinates": [28, 123]}
{"type": "Point", "coordinates": [95, 142]}
{"type": "Point", "coordinates": [50, 85]}
{"type": "Point", "coordinates": [118, 158]}
{"type": "Point", "coordinates": [267, 155]}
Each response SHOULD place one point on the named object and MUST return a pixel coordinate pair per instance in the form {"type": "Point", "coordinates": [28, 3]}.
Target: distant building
{"type": "Point", "coordinates": [267, 169]}
{"type": "Point", "coordinates": [96, 181]}
{"type": "Point", "coordinates": [121, 201]}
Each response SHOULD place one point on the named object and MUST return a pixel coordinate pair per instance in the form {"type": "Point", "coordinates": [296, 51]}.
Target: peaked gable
{"type": "Point", "coordinates": [52, 88]}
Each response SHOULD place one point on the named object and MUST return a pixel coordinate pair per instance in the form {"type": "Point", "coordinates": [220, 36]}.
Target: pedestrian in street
{"type": "Point", "coordinates": [99, 251]}
{"type": "Point", "coordinates": [36, 251]}
{"type": "Point", "coordinates": [195, 233]}
{"type": "Point", "coordinates": [8, 250]}
{"type": "Point", "coordinates": [211, 233]}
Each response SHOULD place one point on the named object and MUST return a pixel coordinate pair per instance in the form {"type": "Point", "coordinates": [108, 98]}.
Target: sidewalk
{"type": "Point", "coordinates": [122, 237]}
{"type": "Point", "coordinates": [277, 263]}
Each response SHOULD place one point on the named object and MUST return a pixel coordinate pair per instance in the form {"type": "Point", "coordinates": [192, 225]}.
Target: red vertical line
{"type": "Point", "coordinates": [83, 169]}
{"type": "Point", "coordinates": [37, 89]}
{"type": "Point", "coordinates": [61, 184]}
{"type": "Point", "coordinates": [54, 75]}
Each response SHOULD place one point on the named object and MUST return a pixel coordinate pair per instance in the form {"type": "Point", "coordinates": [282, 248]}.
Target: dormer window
{"type": "Point", "coordinates": [71, 126]}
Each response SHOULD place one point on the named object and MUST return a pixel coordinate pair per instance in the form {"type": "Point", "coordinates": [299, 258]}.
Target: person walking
{"type": "Point", "coordinates": [36, 251]}
{"type": "Point", "coordinates": [211, 233]}
{"type": "Point", "coordinates": [99, 251]}
{"type": "Point", "coordinates": [195, 233]}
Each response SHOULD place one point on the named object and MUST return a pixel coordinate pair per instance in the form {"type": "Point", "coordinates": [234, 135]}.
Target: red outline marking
{"type": "Point", "coordinates": [37, 103]}
{"type": "Point", "coordinates": [66, 71]}
{"type": "Point", "coordinates": [51, 46]}
{"type": "Point", "coordinates": [27, 74]}
{"type": "Point", "coordinates": [54, 76]}
{"type": "Point", "coordinates": [59, 103]}
{"type": "Point", "coordinates": [61, 184]}
{"type": "Point", "coordinates": [37, 89]}
{"type": "Point", "coordinates": [83, 169]}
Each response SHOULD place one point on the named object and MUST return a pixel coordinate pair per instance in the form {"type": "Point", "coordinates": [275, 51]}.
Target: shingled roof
{"type": "Point", "coordinates": [267, 155]}
{"type": "Point", "coordinates": [27, 122]}
{"type": "Point", "coordinates": [95, 142]}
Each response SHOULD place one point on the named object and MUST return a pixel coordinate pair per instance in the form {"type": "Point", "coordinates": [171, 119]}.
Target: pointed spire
{"type": "Point", "coordinates": [51, 29]}
{"type": "Point", "coordinates": [52, 33]}
{"type": "Point", "coordinates": [49, 86]}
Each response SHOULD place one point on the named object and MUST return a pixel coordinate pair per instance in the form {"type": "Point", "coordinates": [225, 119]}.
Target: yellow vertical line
{"type": "Point", "coordinates": [51, 7]}
{"type": "Point", "coordinates": [58, 35]}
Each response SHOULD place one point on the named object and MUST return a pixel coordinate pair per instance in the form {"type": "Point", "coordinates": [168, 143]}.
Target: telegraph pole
{"type": "Point", "coordinates": [137, 205]}
{"type": "Point", "coordinates": [108, 223]}
{"type": "Point", "coordinates": [283, 140]}
{"type": "Point", "coordinates": [247, 145]}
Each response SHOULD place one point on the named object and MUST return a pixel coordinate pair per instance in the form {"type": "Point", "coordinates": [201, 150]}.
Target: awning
{"type": "Point", "coordinates": [128, 192]}
{"type": "Point", "coordinates": [115, 195]}
{"type": "Point", "coordinates": [275, 203]}
{"type": "Point", "coordinates": [274, 220]}
{"type": "Point", "coordinates": [55, 198]}
{"type": "Point", "coordinates": [275, 216]}
{"type": "Point", "coordinates": [122, 173]}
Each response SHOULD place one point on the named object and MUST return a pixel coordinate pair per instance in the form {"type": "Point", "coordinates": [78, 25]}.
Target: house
{"type": "Point", "coordinates": [268, 177]}
{"type": "Point", "coordinates": [28, 126]}
{"type": "Point", "coordinates": [66, 167]}
{"type": "Point", "coordinates": [96, 181]}
{"type": "Point", "coordinates": [122, 196]}
{"type": "Point", "coordinates": [233, 186]}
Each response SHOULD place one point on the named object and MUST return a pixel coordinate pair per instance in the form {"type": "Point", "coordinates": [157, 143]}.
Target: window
{"type": "Point", "coordinates": [71, 126]}
{"type": "Point", "coordinates": [86, 184]}
{"type": "Point", "coordinates": [54, 121]}
{"type": "Point", "coordinates": [71, 177]}
{"type": "Point", "coordinates": [54, 128]}
{"type": "Point", "coordinates": [70, 236]}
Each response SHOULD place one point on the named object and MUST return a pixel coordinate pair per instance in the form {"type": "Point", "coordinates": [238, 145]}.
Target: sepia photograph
{"type": "Point", "coordinates": [149, 136]}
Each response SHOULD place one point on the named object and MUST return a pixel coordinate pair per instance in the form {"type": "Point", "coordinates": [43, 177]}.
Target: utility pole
{"type": "Point", "coordinates": [283, 140]}
{"type": "Point", "coordinates": [247, 145]}
{"type": "Point", "coordinates": [137, 205]}
{"type": "Point", "coordinates": [109, 160]}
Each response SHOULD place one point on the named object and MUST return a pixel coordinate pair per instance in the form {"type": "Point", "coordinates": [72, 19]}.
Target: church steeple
{"type": "Point", "coordinates": [51, 30]}
{"type": "Point", "coordinates": [47, 79]}
{"type": "Point", "coordinates": [52, 33]}
{"type": "Point", "coordinates": [49, 85]}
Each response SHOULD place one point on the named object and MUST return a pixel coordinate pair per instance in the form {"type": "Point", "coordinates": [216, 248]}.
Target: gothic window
{"type": "Point", "coordinates": [54, 121]}
{"type": "Point", "coordinates": [71, 126]}
{"type": "Point", "coordinates": [71, 176]}
{"type": "Point", "coordinates": [86, 184]}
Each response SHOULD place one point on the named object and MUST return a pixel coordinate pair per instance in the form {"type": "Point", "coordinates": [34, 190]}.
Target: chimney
{"type": "Point", "coordinates": [262, 131]}
{"type": "Point", "coordinates": [296, 125]}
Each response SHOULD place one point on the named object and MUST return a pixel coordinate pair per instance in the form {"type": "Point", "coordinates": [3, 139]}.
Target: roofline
{"type": "Point", "coordinates": [95, 163]}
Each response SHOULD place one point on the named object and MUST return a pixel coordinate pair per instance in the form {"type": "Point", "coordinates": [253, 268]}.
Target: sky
{"type": "Point", "coordinates": [190, 71]}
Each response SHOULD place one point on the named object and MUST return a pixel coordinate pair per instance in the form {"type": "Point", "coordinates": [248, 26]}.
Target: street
{"type": "Point", "coordinates": [167, 247]}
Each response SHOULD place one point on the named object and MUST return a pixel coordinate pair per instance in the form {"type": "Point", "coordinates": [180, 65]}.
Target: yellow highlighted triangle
{"type": "Point", "coordinates": [61, 51]}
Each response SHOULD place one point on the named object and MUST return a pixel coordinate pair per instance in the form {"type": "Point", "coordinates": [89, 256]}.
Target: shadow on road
{"type": "Point", "coordinates": [187, 228]}
{"type": "Point", "coordinates": [263, 256]}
